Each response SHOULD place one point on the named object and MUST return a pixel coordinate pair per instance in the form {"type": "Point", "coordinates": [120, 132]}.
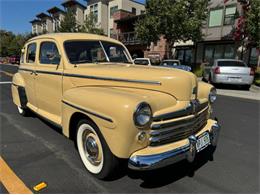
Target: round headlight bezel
{"type": "Point", "coordinates": [212, 95]}
{"type": "Point", "coordinates": [141, 107]}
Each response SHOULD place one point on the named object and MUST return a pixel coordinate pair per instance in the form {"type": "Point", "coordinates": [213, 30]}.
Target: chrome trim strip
{"type": "Point", "coordinates": [88, 112]}
{"type": "Point", "coordinates": [154, 161]}
{"type": "Point", "coordinates": [93, 77]}
{"type": "Point", "coordinates": [174, 123]}
{"type": "Point", "coordinates": [112, 79]}
{"type": "Point", "coordinates": [25, 69]}
{"type": "Point", "coordinates": [150, 162]}
{"type": "Point", "coordinates": [181, 113]}
{"type": "Point", "coordinates": [48, 72]}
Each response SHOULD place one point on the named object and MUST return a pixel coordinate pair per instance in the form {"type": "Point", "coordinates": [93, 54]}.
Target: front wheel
{"type": "Point", "coordinates": [93, 150]}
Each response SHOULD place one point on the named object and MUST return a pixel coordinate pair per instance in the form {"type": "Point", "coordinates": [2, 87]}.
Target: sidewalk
{"type": "Point", "coordinates": [253, 93]}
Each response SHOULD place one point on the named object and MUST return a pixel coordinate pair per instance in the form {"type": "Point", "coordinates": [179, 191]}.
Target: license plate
{"type": "Point", "coordinates": [202, 142]}
{"type": "Point", "coordinates": [231, 79]}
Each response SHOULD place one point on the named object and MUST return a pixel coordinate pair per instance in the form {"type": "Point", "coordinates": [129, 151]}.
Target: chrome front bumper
{"type": "Point", "coordinates": [150, 162]}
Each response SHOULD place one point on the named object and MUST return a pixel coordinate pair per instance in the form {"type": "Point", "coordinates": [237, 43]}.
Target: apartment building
{"type": "Point", "coordinates": [104, 11]}
{"type": "Point", "coordinates": [225, 20]}
{"type": "Point", "coordinates": [49, 22]}
{"type": "Point", "coordinates": [57, 16]}
{"type": "Point", "coordinates": [225, 17]}
{"type": "Point", "coordinates": [78, 9]}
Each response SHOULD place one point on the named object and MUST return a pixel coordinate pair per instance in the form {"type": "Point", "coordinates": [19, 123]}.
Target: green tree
{"type": "Point", "coordinates": [68, 24]}
{"type": "Point", "coordinates": [11, 44]}
{"type": "Point", "coordinates": [176, 20]}
{"type": "Point", "coordinates": [252, 22]}
{"type": "Point", "coordinates": [89, 25]}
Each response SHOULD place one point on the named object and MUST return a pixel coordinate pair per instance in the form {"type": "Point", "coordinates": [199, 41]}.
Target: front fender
{"type": "Point", "coordinates": [112, 110]}
{"type": "Point", "coordinates": [204, 90]}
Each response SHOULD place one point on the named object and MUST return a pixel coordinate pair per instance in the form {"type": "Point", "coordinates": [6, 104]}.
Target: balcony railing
{"type": "Point", "coordinates": [128, 38]}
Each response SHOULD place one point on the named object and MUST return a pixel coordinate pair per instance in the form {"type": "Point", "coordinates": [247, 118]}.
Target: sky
{"type": "Point", "coordinates": [15, 15]}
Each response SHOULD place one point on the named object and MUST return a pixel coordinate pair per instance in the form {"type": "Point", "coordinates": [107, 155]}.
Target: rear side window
{"type": "Point", "coordinates": [232, 63]}
{"type": "Point", "coordinates": [49, 53]}
{"type": "Point", "coordinates": [31, 53]}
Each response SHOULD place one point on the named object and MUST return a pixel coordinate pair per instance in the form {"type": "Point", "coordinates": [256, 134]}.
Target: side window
{"type": "Point", "coordinates": [49, 53]}
{"type": "Point", "coordinates": [31, 53]}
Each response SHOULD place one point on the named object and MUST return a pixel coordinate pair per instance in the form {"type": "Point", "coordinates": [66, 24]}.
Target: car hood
{"type": "Point", "coordinates": [178, 83]}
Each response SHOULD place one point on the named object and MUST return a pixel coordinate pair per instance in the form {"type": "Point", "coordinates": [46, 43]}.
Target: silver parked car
{"type": "Point", "coordinates": [225, 71]}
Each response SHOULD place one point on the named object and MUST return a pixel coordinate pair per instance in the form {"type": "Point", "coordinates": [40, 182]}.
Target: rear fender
{"type": "Point", "coordinates": [18, 91]}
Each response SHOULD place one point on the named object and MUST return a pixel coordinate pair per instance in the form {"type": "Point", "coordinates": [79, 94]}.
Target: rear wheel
{"type": "Point", "coordinates": [247, 87]}
{"type": "Point", "coordinates": [93, 150]}
{"type": "Point", "coordinates": [23, 111]}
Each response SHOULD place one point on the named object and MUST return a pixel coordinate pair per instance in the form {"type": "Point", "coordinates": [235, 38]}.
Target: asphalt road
{"type": "Point", "coordinates": [36, 151]}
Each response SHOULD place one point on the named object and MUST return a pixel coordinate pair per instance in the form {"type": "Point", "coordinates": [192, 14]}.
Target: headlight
{"type": "Point", "coordinates": [143, 115]}
{"type": "Point", "coordinates": [212, 95]}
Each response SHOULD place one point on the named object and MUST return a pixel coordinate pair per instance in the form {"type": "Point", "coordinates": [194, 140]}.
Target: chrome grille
{"type": "Point", "coordinates": [168, 132]}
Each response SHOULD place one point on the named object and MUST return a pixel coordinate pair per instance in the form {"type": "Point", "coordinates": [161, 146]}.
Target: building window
{"type": "Point", "coordinates": [34, 29]}
{"type": "Point", "coordinates": [44, 26]}
{"type": "Point", "coordinates": [218, 51]}
{"type": "Point", "coordinates": [253, 57]}
{"type": "Point", "coordinates": [94, 11]}
{"type": "Point", "coordinates": [113, 10]}
{"type": "Point", "coordinates": [56, 24]}
{"type": "Point", "coordinates": [230, 13]}
{"type": "Point", "coordinates": [134, 11]}
{"type": "Point", "coordinates": [215, 17]}
{"type": "Point", "coordinates": [142, 11]}
{"type": "Point", "coordinates": [184, 55]}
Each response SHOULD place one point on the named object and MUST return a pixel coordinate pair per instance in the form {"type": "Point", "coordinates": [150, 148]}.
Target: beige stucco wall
{"type": "Point", "coordinates": [102, 16]}
{"type": "Point", "coordinates": [124, 5]}
{"type": "Point", "coordinates": [79, 15]}
{"type": "Point", "coordinates": [49, 25]}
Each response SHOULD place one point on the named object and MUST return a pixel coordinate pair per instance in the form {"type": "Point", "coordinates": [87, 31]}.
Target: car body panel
{"type": "Point", "coordinates": [107, 93]}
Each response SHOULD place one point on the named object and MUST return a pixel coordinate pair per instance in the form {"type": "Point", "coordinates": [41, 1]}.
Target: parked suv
{"type": "Point", "coordinates": [87, 85]}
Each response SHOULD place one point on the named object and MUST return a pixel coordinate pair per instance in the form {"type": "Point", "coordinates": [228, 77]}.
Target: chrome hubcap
{"type": "Point", "coordinates": [91, 148]}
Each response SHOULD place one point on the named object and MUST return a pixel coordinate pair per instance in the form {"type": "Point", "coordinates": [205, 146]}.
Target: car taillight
{"type": "Point", "coordinates": [252, 72]}
{"type": "Point", "coordinates": [217, 70]}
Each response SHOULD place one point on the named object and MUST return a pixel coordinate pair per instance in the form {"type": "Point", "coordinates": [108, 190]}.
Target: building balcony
{"type": "Point", "coordinates": [128, 38]}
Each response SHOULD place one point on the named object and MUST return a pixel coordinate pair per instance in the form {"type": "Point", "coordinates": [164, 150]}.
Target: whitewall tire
{"type": "Point", "coordinates": [22, 111]}
{"type": "Point", "coordinates": [93, 150]}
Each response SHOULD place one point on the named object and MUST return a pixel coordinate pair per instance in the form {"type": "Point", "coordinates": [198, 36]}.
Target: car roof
{"type": "Point", "coordinates": [217, 60]}
{"type": "Point", "coordinates": [74, 36]}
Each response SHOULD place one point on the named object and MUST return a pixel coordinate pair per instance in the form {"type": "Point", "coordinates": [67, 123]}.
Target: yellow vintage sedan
{"type": "Point", "coordinates": [87, 85]}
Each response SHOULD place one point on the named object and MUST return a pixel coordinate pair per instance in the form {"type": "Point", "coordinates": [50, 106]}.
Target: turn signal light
{"type": "Point", "coordinates": [252, 72]}
{"type": "Point", "coordinates": [217, 70]}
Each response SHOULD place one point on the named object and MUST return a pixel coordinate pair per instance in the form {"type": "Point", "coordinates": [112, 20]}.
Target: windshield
{"type": "Point", "coordinates": [80, 52]}
{"type": "Point", "coordinates": [231, 63]}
